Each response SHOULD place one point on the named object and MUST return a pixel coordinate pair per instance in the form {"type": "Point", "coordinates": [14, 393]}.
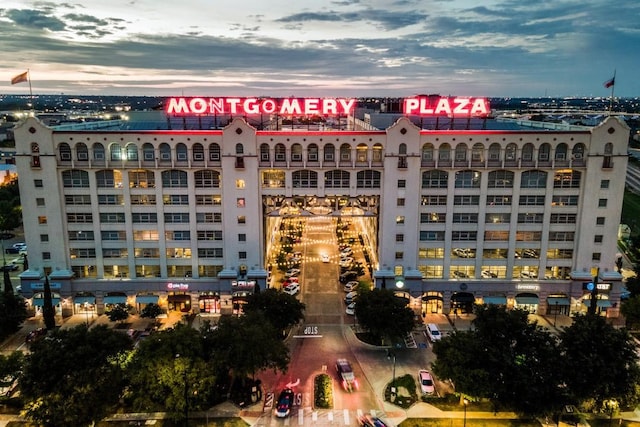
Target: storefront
{"type": "Point", "coordinates": [111, 299]}
{"type": "Point", "coordinates": [84, 303]}
{"type": "Point", "coordinates": [143, 299]}
{"type": "Point", "coordinates": [462, 302]}
{"type": "Point", "coordinates": [497, 299]}
{"type": "Point", "coordinates": [432, 303]}
{"type": "Point", "coordinates": [209, 302]}
{"type": "Point", "coordinates": [38, 303]}
{"type": "Point", "coordinates": [527, 302]}
{"type": "Point", "coordinates": [558, 304]}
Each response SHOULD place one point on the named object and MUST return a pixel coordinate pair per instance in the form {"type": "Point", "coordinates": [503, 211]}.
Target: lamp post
{"type": "Point", "coordinates": [465, 401]}
{"type": "Point", "coordinates": [555, 315]}
{"type": "Point", "coordinates": [391, 355]}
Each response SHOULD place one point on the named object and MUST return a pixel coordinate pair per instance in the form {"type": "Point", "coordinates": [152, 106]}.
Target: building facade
{"type": "Point", "coordinates": [187, 219]}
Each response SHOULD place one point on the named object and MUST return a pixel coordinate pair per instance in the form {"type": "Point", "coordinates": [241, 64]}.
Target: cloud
{"type": "Point", "coordinates": [383, 19]}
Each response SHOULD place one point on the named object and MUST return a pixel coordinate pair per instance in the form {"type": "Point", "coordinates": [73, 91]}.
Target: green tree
{"type": "Point", "coordinates": [151, 311]}
{"type": "Point", "coordinates": [630, 309]}
{"type": "Point", "coordinates": [10, 214]}
{"type": "Point", "coordinates": [280, 309]}
{"type": "Point", "coordinates": [169, 371]}
{"type": "Point", "coordinates": [48, 313]}
{"type": "Point", "coordinates": [13, 312]}
{"type": "Point", "coordinates": [8, 287]}
{"type": "Point", "coordinates": [119, 313]}
{"type": "Point", "coordinates": [383, 314]}
{"type": "Point", "coordinates": [74, 377]}
{"type": "Point", "coordinates": [600, 362]}
{"type": "Point", "coordinates": [10, 368]}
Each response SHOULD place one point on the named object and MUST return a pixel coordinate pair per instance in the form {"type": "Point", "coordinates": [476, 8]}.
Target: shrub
{"type": "Point", "coordinates": [323, 391]}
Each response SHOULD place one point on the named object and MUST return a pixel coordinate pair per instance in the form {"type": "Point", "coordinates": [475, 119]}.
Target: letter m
{"type": "Point", "coordinates": [177, 106]}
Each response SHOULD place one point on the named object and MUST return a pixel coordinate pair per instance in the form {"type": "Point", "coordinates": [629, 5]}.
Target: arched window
{"type": "Point", "coordinates": [239, 149]}
{"type": "Point", "coordinates": [494, 152]}
{"type": "Point", "coordinates": [435, 179]}
{"type": "Point", "coordinates": [98, 151]}
{"type": "Point", "coordinates": [312, 152]}
{"type": "Point", "coordinates": [427, 152]}
{"type": "Point", "coordinates": [64, 151]}
{"type": "Point", "coordinates": [336, 179]}
{"type": "Point", "coordinates": [296, 153]}
{"type": "Point", "coordinates": [361, 153]}
{"type": "Point", "coordinates": [329, 153]}
{"type": "Point", "coordinates": [165, 152]}
{"type": "Point", "coordinates": [376, 154]}
{"type": "Point", "coordinates": [368, 179]}
{"type": "Point", "coordinates": [500, 179]}
{"type": "Point", "coordinates": [35, 155]}
{"type": "Point", "coordinates": [468, 179]}
{"type": "Point", "coordinates": [264, 152]}
{"type": "Point", "coordinates": [527, 152]}
{"type": "Point", "coordinates": [148, 153]}
{"type": "Point", "coordinates": [345, 153]}
{"type": "Point", "coordinates": [561, 151]}
{"type": "Point", "coordinates": [132, 152]}
{"type": "Point", "coordinates": [82, 152]}
{"type": "Point", "coordinates": [280, 153]}
{"type": "Point", "coordinates": [544, 152]}
{"type": "Point", "coordinates": [461, 152]}
{"type": "Point", "coordinates": [207, 179]}
{"type": "Point", "coordinates": [578, 151]}
{"type": "Point", "coordinates": [534, 179]}
{"type": "Point", "coordinates": [402, 149]}
{"type": "Point", "coordinates": [608, 149]}
{"type": "Point", "coordinates": [305, 179]}
{"type": "Point", "coordinates": [511, 152]}
{"type": "Point", "coordinates": [35, 148]}
{"type": "Point", "coordinates": [115, 152]}
{"type": "Point", "coordinates": [214, 152]}
{"type": "Point", "coordinates": [198, 152]}
{"type": "Point", "coordinates": [444, 152]}
{"type": "Point", "coordinates": [174, 179]}
{"type": "Point", "coordinates": [477, 152]}
{"type": "Point", "coordinates": [181, 152]}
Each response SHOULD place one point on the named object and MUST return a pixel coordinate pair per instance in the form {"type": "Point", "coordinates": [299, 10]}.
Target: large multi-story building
{"type": "Point", "coordinates": [188, 218]}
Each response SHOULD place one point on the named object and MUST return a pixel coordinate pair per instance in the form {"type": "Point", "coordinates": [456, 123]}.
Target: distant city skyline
{"type": "Point", "coordinates": [349, 48]}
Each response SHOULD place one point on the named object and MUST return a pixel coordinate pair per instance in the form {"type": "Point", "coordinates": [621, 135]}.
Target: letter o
{"type": "Point", "coordinates": [269, 106]}
{"type": "Point", "coordinates": [198, 106]}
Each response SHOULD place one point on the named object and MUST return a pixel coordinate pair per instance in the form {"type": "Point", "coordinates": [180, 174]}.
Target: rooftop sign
{"type": "Point", "coordinates": [248, 106]}
{"type": "Point", "coordinates": [451, 106]}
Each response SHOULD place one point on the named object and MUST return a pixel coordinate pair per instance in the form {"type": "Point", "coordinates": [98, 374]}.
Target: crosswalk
{"type": "Point", "coordinates": [301, 416]}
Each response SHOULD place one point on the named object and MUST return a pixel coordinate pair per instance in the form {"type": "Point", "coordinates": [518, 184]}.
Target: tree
{"type": "Point", "coordinates": [8, 287]}
{"type": "Point", "coordinates": [506, 359]}
{"type": "Point", "coordinates": [48, 313]}
{"type": "Point", "coordinates": [151, 311]}
{"type": "Point", "coordinates": [74, 376]}
{"type": "Point", "coordinates": [13, 312]}
{"type": "Point", "coordinates": [169, 371]}
{"type": "Point", "coordinates": [119, 313]}
{"type": "Point", "coordinates": [383, 314]}
{"type": "Point", "coordinates": [630, 309]}
{"type": "Point", "coordinates": [10, 368]}
{"type": "Point", "coordinates": [280, 309]}
{"type": "Point", "coordinates": [600, 362]}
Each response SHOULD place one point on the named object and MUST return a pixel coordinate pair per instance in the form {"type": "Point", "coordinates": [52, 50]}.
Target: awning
{"type": "Point", "coordinates": [84, 299]}
{"type": "Point", "coordinates": [601, 303]}
{"type": "Point", "coordinates": [528, 300]}
{"type": "Point", "coordinates": [558, 301]}
{"type": "Point", "coordinates": [147, 299]}
{"type": "Point", "coordinates": [495, 299]}
{"type": "Point", "coordinates": [431, 297]}
{"type": "Point", "coordinates": [39, 302]}
{"type": "Point", "coordinates": [115, 299]}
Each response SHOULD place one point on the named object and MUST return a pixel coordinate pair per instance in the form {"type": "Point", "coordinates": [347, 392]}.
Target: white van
{"type": "Point", "coordinates": [433, 333]}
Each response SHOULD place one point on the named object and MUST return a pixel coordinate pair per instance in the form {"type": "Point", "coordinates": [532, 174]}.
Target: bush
{"type": "Point", "coordinates": [323, 391]}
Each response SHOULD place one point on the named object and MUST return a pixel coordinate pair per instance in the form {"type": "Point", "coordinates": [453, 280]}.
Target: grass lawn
{"type": "Point", "coordinates": [459, 422]}
{"type": "Point", "coordinates": [213, 422]}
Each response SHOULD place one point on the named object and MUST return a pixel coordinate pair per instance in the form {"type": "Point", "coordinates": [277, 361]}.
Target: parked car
{"type": "Point", "coordinates": [488, 274]}
{"type": "Point", "coordinates": [285, 401]}
{"type": "Point", "coordinates": [19, 245]}
{"type": "Point", "coordinates": [371, 421]}
{"type": "Point", "coordinates": [351, 309]}
{"type": "Point", "coordinates": [351, 286]}
{"type": "Point", "coordinates": [426, 382]}
{"type": "Point", "coordinates": [348, 299]}
{"type": "Point", "coordinates": [292, 272]}
{"type": "Point", "coordinates": [432, 332]}
{"type": "Point", "coordinates": [10, 267]}
{"type": "Point", "coordinates": [348, 276]}
{"type": "Point", "coordinates": [324, 257]}
{"type": "Point", "coordinates": [456, 274]}
{"type": "Point", "coordinates": [346, 375]}
{"type": "Point", "coordinates": [346, 252]}
{"type": "Point", "coordinates": [291, 289]}
{"type": "Point", "coordinates": [526, 274]}
{"type": "Point", "coordinates": [346, 262]}
{"type": "Point", "coordinates": [463, 252]}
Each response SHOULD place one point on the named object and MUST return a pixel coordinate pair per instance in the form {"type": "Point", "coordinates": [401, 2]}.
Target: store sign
{"type": "Point", "coordinates": [243, 284]}
{"type": "Point", "coordinates": [244, 106]}
{"type": "Point", "coordinates": [39, 286]}
{"type": "Point", "coordinates": [527, 287]}
{"type": "Point", "coordinates": [446, 106]}
{"type": "Point", "coordinates": [178, 286]}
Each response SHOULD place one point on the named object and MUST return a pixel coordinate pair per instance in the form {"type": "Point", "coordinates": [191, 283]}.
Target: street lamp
{"type": "Point", "coordinates": [392, 355]}
{"type": "Point", "coordinates": [465, 401]}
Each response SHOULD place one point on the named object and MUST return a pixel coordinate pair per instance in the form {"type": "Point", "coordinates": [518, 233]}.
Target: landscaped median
{"type": "Point", "coordinates": [323, 391]}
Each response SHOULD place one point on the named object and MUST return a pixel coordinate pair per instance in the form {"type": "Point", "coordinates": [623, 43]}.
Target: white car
{"type": "Point", "coordinates": [350, 297]}
{"type": "Point", "coordinates": [346, 262]}
{"type": "Point", "coordinates": [528, 275]}
{"type": "Point", "coordinates": [346, 252]}
{"type": "Point", "coordinates": [324, 257]}
{"type": "Point", "coordinates": [426, 382]}
{"type": "Point", "coordinates": [351, 286]}
{"type": "Point", "coordinates": [291, 289]}
{"type": "Point", "coordinates": [351, 309]}
{"type": "Point", "coordinates": [488, 274]}
{"type": "Point", "coordinates": [292, 272]}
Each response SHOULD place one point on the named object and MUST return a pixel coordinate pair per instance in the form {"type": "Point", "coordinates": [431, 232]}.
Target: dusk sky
{"type": "Point", "coordinates": [323, 48]}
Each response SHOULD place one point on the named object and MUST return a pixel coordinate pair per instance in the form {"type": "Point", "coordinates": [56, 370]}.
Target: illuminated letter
{"type": "Point", "coordinates": [311, 106]}
{"type": "Point", "coordinates": [198, 106]}
{"type": "Point", "coordinates": [177, 106]}
{"type": "Point", "coordinates": [329, 106]}
{"type": "Point", "coordinates": [410, 104]}
{"type": "Point", "coordinates": [425, 107]}
{"type": "Point", "coordinates": [233, 104]}
{"type": "Point", "coordinates": [268, 106]}
{"type": "Point", "coordinates": [251, 106]}
{"type": "Point", "coordinates": [290, 106]}
{"type": "Point", "coordinates": [461, 107]}
{"type": "Point", "coordinates": [443, 106]}
{"type": "Point", "coordinates": [480, 107]}
{"type": "Point", "coordinates": [347, 105]}
{"type": "Point", "coordinates": [216, 105]}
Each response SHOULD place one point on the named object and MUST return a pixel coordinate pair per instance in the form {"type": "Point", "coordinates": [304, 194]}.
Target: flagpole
{"type": "Point", "coordinates": [30, 90]}
{"type": "Point", "coordinates": [613, 86]}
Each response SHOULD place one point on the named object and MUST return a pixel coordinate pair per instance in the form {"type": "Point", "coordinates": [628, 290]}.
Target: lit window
{"type": "Point", "coordinates": [240, 183]}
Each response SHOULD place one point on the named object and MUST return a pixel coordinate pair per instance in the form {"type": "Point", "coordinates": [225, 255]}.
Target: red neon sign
{"type": "Point", "coordinates": [248, 106]}
{"type": "Point", "coordinates": [446, 106]}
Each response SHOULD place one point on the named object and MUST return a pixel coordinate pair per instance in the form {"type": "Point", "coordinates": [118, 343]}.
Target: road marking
{"type": "Point", "coordinates": [346, 417]}
{"type": "Point", "coordinates": [307, 336]}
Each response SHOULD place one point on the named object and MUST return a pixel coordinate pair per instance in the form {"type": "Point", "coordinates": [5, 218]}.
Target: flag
{"type": "Point", "coordinates": [24, 77]}
{"type": "Point", "coordinates": [610, 82]}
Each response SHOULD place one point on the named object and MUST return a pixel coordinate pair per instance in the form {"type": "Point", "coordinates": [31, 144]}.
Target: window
{"type": "Point", "coordinates": [80, 235]}
{"type": "Point", "coordinates": [435, 179]}
{"type": "Point", "coordinates": [400, 220]}
{"type": "Point", "coordinates": [146, 235]}
{"type": "Point", "coordinates": [72, 179]}
{"type": "Point", "coordinates": [240, 184]}
{"type": "Point", "coordinates": [500, 179]}
{"type": "Point", "coordinates": [432, 217]}
{"type": "Point", "coordinates": [466, 200]}
{"type": "Point", "coordinates": [174, 179]}
{"type": "Point", "coordinates": [165, 152]}
{"type": "Point", "coordinates": [604, 184]}
{"type": "Point", "coordinates": [305, 179]}
{"type": "Point", "coordinates": [144, 218]}
{"type": "Point", "coordinates": [468, 179]}
{"type": "Point", "coordinates": [464, 235]}
{"type": "Point", "coordinates": [531, 201]}
{"type": "Point", "coordinates": [498, 200]}
{"type": "Point", "coordinates": [208, 200]}
{"type": "Point", "coordinates": [115, 152]}
{"type": "Point", "coordinates": [239, 149]}
{"type": "Point", "coordinates": [207, 179]}
{"type": "Point", "coordinates": [561, 236]}
{"type": "Point", "coordinates": [214, 152]}
{"type": "Point", "coordinates": [42, 219]}
{"type": "Point", "coordinates": [562, 219]}
{"type": "Point", "coordinates": [208, 217]}
{"type": "Point", "coordinates": [296, 153]}
{"type": "Point", "coordinates": [113, 235]}
{"type": "Point", "coordinates": [110, 199]}
{"type": "Point", "coordinates": [345, 152]}
{"type": "Point", "coordinates": [399, 255]}
{"type": "Point", "coordinates": [567, 179]}
{"type": "Point", "coordinates": [198, 152]}
{"type": "Point", "coordinates": [564, 201]}
{"type": "Point", "coordinates": [44, 238]}
{"type": "Point", "coordinates": [210, 253]}
{"type": "Point", "coordinates": [273, 179]}
{"type": "Point", "coordinates": [82, 253]}
{"type": "Point", "coordinates": [148, 152]}
{"type": "Point", "coordinates": [98, 152]}
{"type": "Point", "coordinates": [434, 200]}
{"type": "Point", "coordinates": [178, 235]}
{"type": "Point", "coordinates": [82, 152]}
{"type": "Point", "coordinates": [176, 217]}
{"type": "Point", "coordinates": [530, 218]}
{"type": "Point", "coordinates": [336, 179]}
{"type": "Point", "coordinates": [65, 151]}
{"type": "Point", "coordinates": [242, 219]}
{"type": "Point", "coordinates": [175, 199]}
{"type": "Point", "coordinates": [143, 199]}
{"type": "Point", "coordinates": [400, 201]}
{"type": "Point", "coordinates": [210, 235]}
{"type": "Point", "coordinates": [368, 179]}
{"type": "Point", "coordinates": [432, 236]}
{"type": "Point", "coordinates": [84, 218]}
{"type": "Point", "coordinates": [38, 182]}
{"type": "Point", "coordinates": [181, 152]}
{"type": "Point", "coordinates": [602, 203]}
{"type": "Point", "coordinates": [112, 217]}
{"type": "Point", "coordinates": [46, 255]}
{"type": "Point", "coordinates": [132, 152]}
{"type": "Point", "coordinates": [109, 179]}
{"type": "Point", "coordinates": [312, 153]}
{"type": "Point", "coordinates": [242, 255]}
{"type": "Point", "coordinates": [599, 220]}
{"type": "Point", "coordinates": [402, 183]}
{"type": "Point", "coordinates": [465, 218]}
{"type": "Point", "coordinates": [534, 179]}
{"type": "Point", "coordinates": [329, 153]}
{"type": "Point", "coordinates": [596, 256]}
{"type": "Point", "coordinates": [242, 237]}
{"type": "Point", "coordinates": [142, 179]}
{"type": "Point", "coordinates": [598, 238]}
{"type": "Point", "coordinates": [40, 201]}
{"type": "Point", "coordinates": [399, 238]}
{"type": "Point", "coordinates": [497, 218]}
{"type": "Point", "coordinates": [240, 202]}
